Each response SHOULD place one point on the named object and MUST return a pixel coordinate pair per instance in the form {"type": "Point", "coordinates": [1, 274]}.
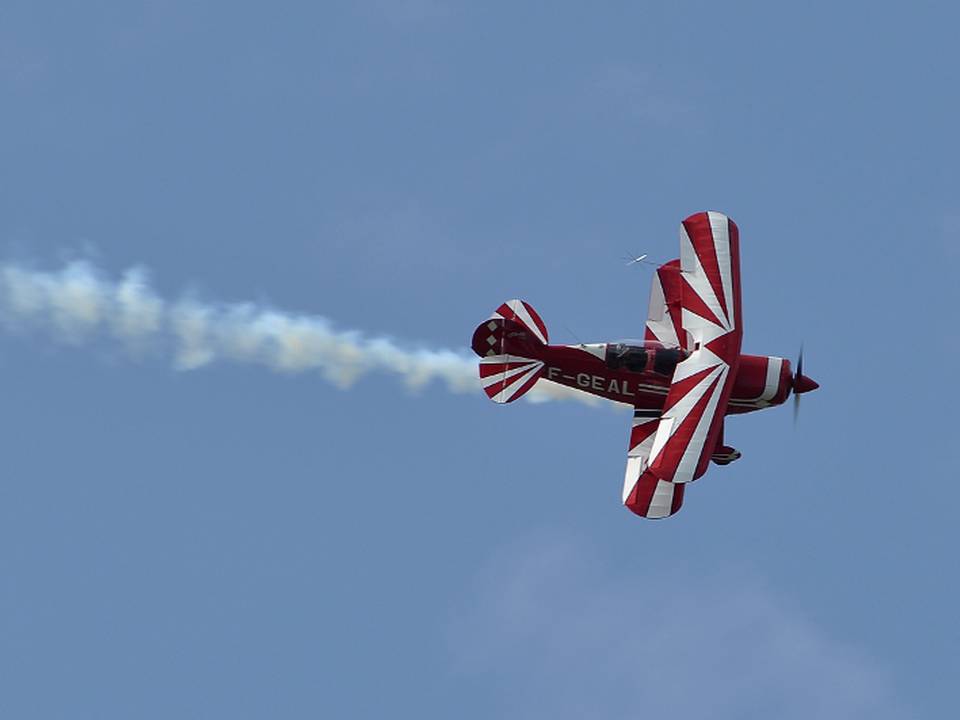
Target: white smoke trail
{"type": "Point", "coordinates": [79, 303]}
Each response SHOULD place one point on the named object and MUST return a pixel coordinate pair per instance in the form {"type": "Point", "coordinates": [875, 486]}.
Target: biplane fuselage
{"type": "Point", "coordinates": [761, 381]}
{"type": "Point", "coordinates": [682, 379]}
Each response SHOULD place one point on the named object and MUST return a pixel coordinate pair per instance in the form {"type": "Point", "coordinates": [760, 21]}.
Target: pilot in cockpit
{"type": "Point", "coordinates": [649, 357]}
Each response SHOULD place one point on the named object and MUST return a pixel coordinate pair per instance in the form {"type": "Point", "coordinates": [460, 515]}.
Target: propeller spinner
{"type": "Point", "coordinates": [801, 384]}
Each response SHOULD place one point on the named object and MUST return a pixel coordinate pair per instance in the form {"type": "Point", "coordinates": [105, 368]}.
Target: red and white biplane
{"type": "Point", "coordinates": [682, 380]}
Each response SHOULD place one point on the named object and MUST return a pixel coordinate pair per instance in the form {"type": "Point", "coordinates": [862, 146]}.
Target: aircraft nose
{"type": "Point", "coordinates": [803, 384]}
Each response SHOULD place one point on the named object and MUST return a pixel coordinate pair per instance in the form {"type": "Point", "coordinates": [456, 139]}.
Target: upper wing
{"type": "Point", "coordinates": [664, 320]}
{"type": "Point", "coordinates": [710, 300]}
{"type": "Point", "coordinates": [710, 312]}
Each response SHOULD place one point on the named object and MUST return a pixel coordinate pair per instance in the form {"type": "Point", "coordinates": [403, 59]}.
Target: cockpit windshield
{"type": "Point", "coordinates": [648, 357]}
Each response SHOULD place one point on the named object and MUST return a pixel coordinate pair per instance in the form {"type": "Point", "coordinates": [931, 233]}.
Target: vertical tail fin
{"type": "Point", "coordinates": [510, 345]}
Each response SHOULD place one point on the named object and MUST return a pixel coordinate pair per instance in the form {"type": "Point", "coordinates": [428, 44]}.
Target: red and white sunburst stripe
{"type": "Point", "coordinates": [642, 492]}
{"type": "Point", "coordinates": [522, 312]}
{"type": "Point", "coordinates": [695, 405]}
{"type": "Point", "coordinates": [700, 389]}
{"type": "Point", "coordinates": [507, 377]}
{"type": "Point", "coordinates": [663, 317]}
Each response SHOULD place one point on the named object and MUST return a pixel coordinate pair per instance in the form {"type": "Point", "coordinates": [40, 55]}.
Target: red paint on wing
{"type": "Point", "coordinates": [666, 464]}
{"type": "Point", "coordinates": [641, 496]}
{"type": "Point", "coordinates": [642, 432]}
{"type": "Point", "coordinates": [671, 284]}
{"type": "Point", "coordinates": [679, 389]}
{"type": "Point", "coordinates": [700, 231]}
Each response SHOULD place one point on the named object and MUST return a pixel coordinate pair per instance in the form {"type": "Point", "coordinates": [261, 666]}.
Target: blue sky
{"type": "Point", "coordinates": [237, 541]}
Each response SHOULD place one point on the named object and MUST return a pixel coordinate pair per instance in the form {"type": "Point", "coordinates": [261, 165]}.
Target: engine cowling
{"type": "Point", "coordinates": [762, 381]}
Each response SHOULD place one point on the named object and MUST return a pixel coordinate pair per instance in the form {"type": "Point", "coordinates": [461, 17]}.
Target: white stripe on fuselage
{"type": "Point", "coordinates": [770, 387]}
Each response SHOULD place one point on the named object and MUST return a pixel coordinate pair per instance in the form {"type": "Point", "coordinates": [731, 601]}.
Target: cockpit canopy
{"type": "Point", "coordinates": [646, 357]}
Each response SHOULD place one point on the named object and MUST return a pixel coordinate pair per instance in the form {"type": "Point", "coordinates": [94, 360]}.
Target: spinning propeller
{"type": "Point", "coordinates": [801, 384]}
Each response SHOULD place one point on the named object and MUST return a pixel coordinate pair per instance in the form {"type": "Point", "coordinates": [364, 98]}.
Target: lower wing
{"type": "Point", "coordinates": [643, 493]}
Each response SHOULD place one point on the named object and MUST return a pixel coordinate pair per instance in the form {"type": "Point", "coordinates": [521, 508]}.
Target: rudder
{"type": "Point", "coordinates": [509, 344]}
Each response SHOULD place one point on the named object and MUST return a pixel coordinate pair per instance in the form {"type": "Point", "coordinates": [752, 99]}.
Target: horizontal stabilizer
{"type": "Point", "coordinates": [507, 377]}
